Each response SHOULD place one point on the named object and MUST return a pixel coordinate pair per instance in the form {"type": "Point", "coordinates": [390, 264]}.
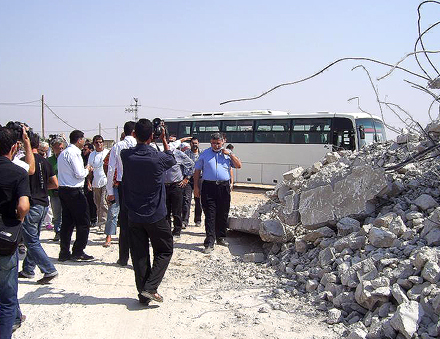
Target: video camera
{"type": "Point", "coordinates": [17, 127]}
{"type": "Point", "coordinates": [157, 127]}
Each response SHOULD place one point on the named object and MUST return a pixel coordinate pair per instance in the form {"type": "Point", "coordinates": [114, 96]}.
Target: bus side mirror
{"type": "Point", "coordinates": [362, 132]}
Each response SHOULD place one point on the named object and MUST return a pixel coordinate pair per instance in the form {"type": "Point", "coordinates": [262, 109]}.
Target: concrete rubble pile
{"type": "Point", "coordinates": [359, 234]}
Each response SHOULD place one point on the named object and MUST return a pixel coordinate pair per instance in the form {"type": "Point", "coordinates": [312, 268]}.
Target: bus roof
{"type": "Point", "coordinates": [267, 114]}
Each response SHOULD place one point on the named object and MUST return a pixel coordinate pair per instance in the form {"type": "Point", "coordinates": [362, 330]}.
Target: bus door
{"type": "Point", "coordinates": [343, 134]}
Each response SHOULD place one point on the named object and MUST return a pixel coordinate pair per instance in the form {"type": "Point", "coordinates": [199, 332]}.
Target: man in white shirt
{"type": "Point", "coordinates": [115, 164]}
{"type": "Point", "coordinates": [99, 182]}
{"type": "Point", "coordinates": [71, 175]}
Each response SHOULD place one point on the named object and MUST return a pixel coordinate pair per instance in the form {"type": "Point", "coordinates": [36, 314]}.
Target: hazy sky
{"type": "Point", "coordinates": [188, 56]}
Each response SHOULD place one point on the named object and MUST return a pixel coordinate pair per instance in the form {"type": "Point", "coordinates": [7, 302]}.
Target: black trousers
{"type": "Point", "coordinates": [174, 199]}
{"type": "Point", "coordinates": [75, 213]}
{"type": "Point", "coordinates": [148, 278]}
{"type": "Point", "coordinates": [216, 200]}
{"type": "Point", "coordinates": [186, 207]}
{"type": "Point", "coordinates": [124, 237]}
{"type": "Point", "coordinates": [92, 206]}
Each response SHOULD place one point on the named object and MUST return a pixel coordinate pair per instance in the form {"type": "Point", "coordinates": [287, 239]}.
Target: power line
{"type": "Point", "coordinates": [50, 109]}
{"type": "Point", "coordinates": [19, 103]}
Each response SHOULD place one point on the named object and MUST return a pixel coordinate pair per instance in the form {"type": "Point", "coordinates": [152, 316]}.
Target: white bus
{"type": "Point", "coordinates": [270, 143]}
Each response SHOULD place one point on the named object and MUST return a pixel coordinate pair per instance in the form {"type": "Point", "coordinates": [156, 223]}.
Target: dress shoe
{"type": "Point", "coordinates": [222, 242]}
{"type": "Point", "coordinates": [81, 257]}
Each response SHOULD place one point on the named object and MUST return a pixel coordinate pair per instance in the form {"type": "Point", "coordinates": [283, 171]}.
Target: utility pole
{"type": "Point", "coordinates": [133, 109]}
{"type": "Point", "coordinates": [42, 116]}
{"type": "Point", "coordinates": [99, 129]}
{"type": "Point", "coordinates": [117, 134]}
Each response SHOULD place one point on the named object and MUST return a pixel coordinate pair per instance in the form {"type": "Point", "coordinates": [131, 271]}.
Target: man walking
{"type": "Point", "coordinates": [176, 179]}
{"type": "Point", "coordinates": [115, 164]}
{"type": "Point", "coordinates": [193, 153]}
{"type": "Point", "coordinates": [40, 182]}
{"type": "Point", "coordinates": [14, 205]}
{"type": "Point", "coordinates": [99, 181]}
{"type": "Point", "coordinates": [71, 175]}
{"type": "Point", "coordinates": [144, 192]}
{"type": "Point", "coordinates": [215, 163]}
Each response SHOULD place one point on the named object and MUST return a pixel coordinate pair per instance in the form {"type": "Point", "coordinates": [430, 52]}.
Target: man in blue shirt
{"type": "Point", "coordinates": [144, 198]}
{"type": "Point", "coordinates": [215, 163]}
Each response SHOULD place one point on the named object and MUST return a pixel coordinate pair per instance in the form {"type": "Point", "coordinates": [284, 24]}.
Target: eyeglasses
{"type": "Point", "coordinates": [99, 142]}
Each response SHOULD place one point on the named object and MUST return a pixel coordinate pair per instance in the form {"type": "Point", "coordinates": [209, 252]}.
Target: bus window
{"type": "Point", "coordinates": [272, 131]}
{"type": "Point", "coordinates": [373, 130]}
{"type": "Point", "coordinates": [343, 134]}
{"type": "Point", "coordinates": [203, 129]}
{"type": "Point", "coordinates": [173, 128]}
{"type": "Point", "coordinates": [238, 130]}
{"type": "Point", "coordinates": [310, 131]}
{"type": "Point", "coordinates": [184, 129]}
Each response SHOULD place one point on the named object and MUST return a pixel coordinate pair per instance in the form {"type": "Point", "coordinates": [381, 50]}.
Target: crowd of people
{"type": "Point", "coordinates": [144, 184]}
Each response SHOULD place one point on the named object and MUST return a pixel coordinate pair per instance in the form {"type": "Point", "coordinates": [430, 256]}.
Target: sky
{"type": "Point", "coordinates": [91, 58]}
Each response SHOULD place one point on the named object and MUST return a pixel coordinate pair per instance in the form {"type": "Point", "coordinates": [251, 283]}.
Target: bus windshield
{"type": "Point", "coordinates": [374, 131]}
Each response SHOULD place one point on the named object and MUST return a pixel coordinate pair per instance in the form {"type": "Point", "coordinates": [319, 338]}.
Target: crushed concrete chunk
{"type": "Point", "coordinates": [407, 318]}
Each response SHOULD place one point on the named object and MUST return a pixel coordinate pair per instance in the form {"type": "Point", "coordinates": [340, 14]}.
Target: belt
{"type": "Point", "coordinates": [67, 188]}
{"type": "Point", "coordinates": [217, 182]}
{"type": "Point", "coordinates": [171, 183]}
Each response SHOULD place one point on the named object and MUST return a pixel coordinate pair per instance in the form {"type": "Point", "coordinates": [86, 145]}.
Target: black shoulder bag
{"type": "Point", "coordinates": [10, 236]}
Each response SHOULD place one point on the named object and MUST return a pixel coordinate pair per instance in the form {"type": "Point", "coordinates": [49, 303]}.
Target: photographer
{"type": "Point", "coordinates": [22, 132]}
{"type": "Point", "coordinates": [144, 192]}
{"type": "Point", "coordinates": [14, 205]}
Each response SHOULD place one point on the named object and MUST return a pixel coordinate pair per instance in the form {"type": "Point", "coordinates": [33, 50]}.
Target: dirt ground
{"type": "Point", "coordinates": [206, 296]}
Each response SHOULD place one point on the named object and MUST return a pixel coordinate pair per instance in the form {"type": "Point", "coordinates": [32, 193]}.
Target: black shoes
{"type": "Point", "coordinates": [23, 274]}
{"type": "Point", "coordinates": [176, 233]}
{"type": "Point", "coordinates": [47, 278]}
{"type": "Point", "coordinates": [64, 257]}
{"type": "Point", "coordinates": [121, 263]}
{"type": "Point", "coordinates": [81, 257]}
{"type": "Point", "coordinates": [143, 300]}
{"type": "Point", "coordinates": [222, 242]}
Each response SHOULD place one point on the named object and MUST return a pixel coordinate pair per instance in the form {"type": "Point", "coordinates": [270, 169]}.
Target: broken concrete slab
{"type": "Point", "coordinates": [275, 231]}
{"type": "Point", "coordinates": [346, 197]}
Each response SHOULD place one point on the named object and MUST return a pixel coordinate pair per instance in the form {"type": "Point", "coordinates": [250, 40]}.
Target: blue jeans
{"type": "Point", "coordinates": [55, 202]}
{"type": "Point", "coordinates": [35, 254]}
{"type": "Point", "coordinates": [8, 294]}
{"type": "Point", "coordinates": [112, 215]}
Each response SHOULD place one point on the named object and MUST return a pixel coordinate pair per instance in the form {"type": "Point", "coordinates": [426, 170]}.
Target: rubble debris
{"type": "Point", "coordinates": [359, 234]}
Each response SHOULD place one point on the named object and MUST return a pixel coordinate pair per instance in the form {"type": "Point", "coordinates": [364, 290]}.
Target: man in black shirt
{"type": "Point", "coordinates": [40, 182]}
{"type": "Point", "coordinates": [144, 197]}
{"type": "Point", "coordinates": [14, 205]}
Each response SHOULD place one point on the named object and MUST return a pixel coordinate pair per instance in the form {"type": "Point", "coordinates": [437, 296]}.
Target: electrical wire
{"type": "Point", "coordinates": [18, 103]}
{"type": "Point", "coordinates": [50, 109]}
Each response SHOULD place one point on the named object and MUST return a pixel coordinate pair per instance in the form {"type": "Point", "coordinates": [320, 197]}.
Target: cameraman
{"type": "Point", "coordinates": [144, 194]}
{"type": "Point", "coordinates": [22, 132]}
{"type": "Point", "coordinates": [14, 205]}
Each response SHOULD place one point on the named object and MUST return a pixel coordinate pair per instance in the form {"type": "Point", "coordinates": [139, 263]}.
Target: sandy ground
{"type": "Point", "coordinates": [206, 296]}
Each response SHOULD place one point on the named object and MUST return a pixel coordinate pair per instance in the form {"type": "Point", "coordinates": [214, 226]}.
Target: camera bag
{"type": "Point", "coordinates": [10, 236]}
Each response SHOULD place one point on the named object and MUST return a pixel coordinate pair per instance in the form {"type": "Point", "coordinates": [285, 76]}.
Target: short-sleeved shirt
{"type": "Point", "coordinates": [214, 165]}
{"type": "Point", "coordinates": [38, 181]}
{"type": "Point", "coordinates": [14, 183]}
{"type": "Point", "coordinates": [96, 160]}
{"type": "Point", "coordinates": [143, 182]}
